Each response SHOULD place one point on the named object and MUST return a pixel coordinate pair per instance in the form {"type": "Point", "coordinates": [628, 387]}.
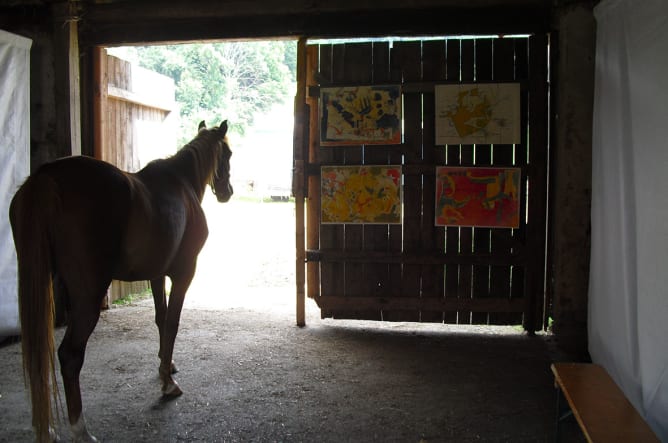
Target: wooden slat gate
{"type": "Point", "coordinates": [417, 271]}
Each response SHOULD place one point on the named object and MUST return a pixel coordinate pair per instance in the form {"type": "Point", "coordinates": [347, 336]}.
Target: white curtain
{"type": "Point", "coordinates": [628, 288]}
{"type": "Point", "coordinates": [14, 162]}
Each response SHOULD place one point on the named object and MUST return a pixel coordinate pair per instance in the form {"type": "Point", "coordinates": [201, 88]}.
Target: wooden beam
{"type": "Point", "coordinates": [430, 304]}
{"type": "Point", "coordinates": [139, 99]}
{"type": "Point", "coordinates": [66, 75]}
{"type": "Point", "coordinates": [417, 258]}
{"type": "Point", "coordinates": [538, 172]}
{"type": "Point", "coordinates": [300, 129]}
{"type": "Point", "coordinates": [143, 10]}
{"type": "Point", "coordinates": [75, 87]}
{"type": "Point", "coordinates": [141, 22]}
{"type": "Point", "coordinates": [313, 182]}
{"type": "Point", "coordinates": [100, 82]}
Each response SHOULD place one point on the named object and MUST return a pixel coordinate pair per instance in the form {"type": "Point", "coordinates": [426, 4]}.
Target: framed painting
{"type": "Point", "coordinates": [360, 194]}
{"type": "Point", "coordinates": [360, 115]}
{"type": "Point", "coordinates": [478, 197]}
{"type": "Point", "coordinates": [483, 113]}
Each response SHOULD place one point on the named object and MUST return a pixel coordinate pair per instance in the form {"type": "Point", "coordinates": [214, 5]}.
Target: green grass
{"type": "Point", "coordinates": [255, 199]}
{"type": "Point", "coordinates": [131, 298]}
{"type": "Point", "coordinates": [550, 320]}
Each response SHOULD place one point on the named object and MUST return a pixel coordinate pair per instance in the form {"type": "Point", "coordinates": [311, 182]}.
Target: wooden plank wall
{"type": "Point", "coordinates": [122, 114]}
{"type": "Point", "coordinates": [418, 271]}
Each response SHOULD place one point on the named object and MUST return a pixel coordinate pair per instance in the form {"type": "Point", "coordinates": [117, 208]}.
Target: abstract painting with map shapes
{"type": "Point", "coordinates": [482, 113]}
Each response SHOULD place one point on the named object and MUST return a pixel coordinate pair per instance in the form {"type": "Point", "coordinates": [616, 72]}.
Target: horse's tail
{"type": "Point", "coordinates": [31, 212]}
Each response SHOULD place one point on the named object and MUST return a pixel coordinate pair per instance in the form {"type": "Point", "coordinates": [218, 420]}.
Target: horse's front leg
{"type": "Point", "coordinates": [160, 302]}
{"type": "Point", "coordinates": [168, 335]}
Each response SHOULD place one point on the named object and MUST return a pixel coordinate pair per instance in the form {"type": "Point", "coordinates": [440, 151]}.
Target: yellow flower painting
{"type": "Point", "coordinates": [361, 194]}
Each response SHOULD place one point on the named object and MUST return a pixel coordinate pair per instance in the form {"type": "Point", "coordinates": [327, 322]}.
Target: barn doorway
{"type": "Point", "coordinates": [415, 269]}
{"type": "Point", "coordinates": [160, 94]}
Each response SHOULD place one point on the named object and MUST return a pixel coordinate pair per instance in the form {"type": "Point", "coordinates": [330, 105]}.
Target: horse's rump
{"type": "Point", "coordinates": [90, 220]}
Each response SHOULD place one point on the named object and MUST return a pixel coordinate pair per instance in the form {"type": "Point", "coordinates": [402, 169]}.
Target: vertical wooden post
{"type": "Point", "coordinates": [298, 180]}
{"type": "Point", "coordinates": [538, 139]}
{"type": "Point", "coordinates": [313, 181]}
{"type": "Point", "coordinates": [100, 82]}
{"type": "Point", "coordinates": [66, 56]}
{"type": "Point", "coordinates": [75, 87]}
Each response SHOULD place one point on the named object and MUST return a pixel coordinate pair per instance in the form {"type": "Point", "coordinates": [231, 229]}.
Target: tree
{"type": "Point", "coordinates": [230, 80]}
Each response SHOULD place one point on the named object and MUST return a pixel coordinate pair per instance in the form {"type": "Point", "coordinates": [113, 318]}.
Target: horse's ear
{"type": "Point", "coordinates": [201, 126]}
{"type": "Point", "coordinates": [223, 127]}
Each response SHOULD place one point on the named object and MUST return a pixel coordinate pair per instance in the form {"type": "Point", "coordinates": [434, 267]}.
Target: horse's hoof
{"type": "Point", "coordinates": [80, 434]}
{"type": "Point", "coordinates": [172, 368]}
{"type": "Point", "coordinates": [53, 436]}
{"type": "Point", "coordinates": [86, 439]}
{"type": "Point", "coordinates": [171, 390]}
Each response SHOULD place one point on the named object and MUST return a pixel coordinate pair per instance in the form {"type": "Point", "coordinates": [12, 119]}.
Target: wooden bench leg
{"type": "Point", "coordinates": [561, 414]}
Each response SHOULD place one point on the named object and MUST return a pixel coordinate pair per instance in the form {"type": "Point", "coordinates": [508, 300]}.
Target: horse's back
{"type": "Point", "coordinates": [85, 177]}
{"type": "Point", "coordinates": [87, 190]}
{"type": "Point", "coordinates": [125, 226]}
{"type": "Point", "coordinates": [72, 183]}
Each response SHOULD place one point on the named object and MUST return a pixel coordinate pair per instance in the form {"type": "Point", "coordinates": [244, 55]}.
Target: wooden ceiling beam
{"type": "Point", "coordinates": [126, 25]}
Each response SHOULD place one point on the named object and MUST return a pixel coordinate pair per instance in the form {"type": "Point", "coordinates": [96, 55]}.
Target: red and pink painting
{"type": "Point", "coordinates": [478, 196]}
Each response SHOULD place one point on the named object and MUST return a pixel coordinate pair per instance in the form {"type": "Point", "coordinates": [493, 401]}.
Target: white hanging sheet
{"type": "Point", "coordinates": [628, 288]}
{"type": "Point", "coordinates": [14, 161]}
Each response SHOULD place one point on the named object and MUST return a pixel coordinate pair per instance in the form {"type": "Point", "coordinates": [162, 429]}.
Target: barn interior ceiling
{"type": "Point", "coordinates": [147, 21]}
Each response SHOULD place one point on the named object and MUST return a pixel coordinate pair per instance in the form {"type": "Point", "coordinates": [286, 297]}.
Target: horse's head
{"type": "Point", "coordinates": [220, 183]}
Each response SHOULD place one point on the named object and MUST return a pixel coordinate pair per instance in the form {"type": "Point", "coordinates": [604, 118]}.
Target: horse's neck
{"type": "Point", "coordinates": [194, 165]}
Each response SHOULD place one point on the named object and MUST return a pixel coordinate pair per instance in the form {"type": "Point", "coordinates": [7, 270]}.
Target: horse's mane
{"type": "Point", "coordinates": [198, 160]}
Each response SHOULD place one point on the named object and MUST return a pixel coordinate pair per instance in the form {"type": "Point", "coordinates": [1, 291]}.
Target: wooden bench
{"type": "Point", "coordinates": [599, 406]}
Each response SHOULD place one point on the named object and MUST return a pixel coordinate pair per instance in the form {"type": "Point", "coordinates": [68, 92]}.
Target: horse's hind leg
{"type": "Point", "coordinates": [160, 301]}
{"type": "Point", "coordinates": [82, 320]}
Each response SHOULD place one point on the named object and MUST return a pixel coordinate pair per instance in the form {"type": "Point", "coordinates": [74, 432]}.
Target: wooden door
{"type": "Point", "coordinates": [415, 270]}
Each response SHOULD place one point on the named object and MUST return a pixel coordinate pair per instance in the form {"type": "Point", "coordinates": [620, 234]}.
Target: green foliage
{"type": "Point", "coordinates": [130, 298]}
{"type": "Point", "coordinates": [230, 80]}
{"type": "Point", "coordinates": [256, 199]}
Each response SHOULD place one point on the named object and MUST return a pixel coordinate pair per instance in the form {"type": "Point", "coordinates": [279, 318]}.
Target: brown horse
{"type": "Point", "coordinates": [85, 222]}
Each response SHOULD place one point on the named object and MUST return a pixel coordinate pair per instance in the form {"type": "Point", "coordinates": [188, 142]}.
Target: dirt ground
{"type": "Point", "coordinates": [250, 375]}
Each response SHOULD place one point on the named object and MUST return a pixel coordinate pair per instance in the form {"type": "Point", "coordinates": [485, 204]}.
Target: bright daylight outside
{"type": "Point", "coordinates": [249, 257]}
